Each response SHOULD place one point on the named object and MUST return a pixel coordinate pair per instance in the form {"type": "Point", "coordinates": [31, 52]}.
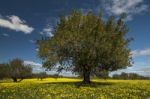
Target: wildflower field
{"type": "Point", "coordinates": [65, 88]}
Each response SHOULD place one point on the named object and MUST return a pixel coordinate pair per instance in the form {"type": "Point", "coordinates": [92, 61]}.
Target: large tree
{"type": "Point", "coordinates": [88, 44]}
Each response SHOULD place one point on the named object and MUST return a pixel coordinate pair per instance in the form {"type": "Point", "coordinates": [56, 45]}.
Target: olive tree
{"type": "Point", "coordinates": [4, 71]}
{"type": "Point", "coordinates": [17, 70]}
{"type": "Point", "coordinates": [86, 44]}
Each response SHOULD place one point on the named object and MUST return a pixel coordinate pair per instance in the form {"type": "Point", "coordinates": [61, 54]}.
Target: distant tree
{"type": "Point", "coordinates": [115, 76]}
{"type": "Point", "coordinates": [41, 75]}
{"type": "Point", "coordinates": [103, 74]}
{"type": "Point", "coordinates": [4, 71]}
{"type": "Point", "coordinates": [88, 44]}
{"type": "Point", "coordinates": [18, 70]}
{"type": "Point", "coordinates": [129, 76]}
{"type": "Point", "coordinates": [56, 75]}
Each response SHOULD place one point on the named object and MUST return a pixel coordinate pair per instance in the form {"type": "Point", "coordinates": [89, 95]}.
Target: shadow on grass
{"type": "Point", "coordinates": [10, 81]}
{"type": "Point", "coordinates": [81, 84]}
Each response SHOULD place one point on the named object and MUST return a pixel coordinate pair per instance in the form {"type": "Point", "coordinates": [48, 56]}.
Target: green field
{"type": "Point", "coordinates": [65, 88]}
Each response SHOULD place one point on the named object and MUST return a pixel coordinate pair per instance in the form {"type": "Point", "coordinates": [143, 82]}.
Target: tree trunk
{"type": "Point", "coordinates": [14, 79]}
{"type": "Point", "coordinates": [86, 76]}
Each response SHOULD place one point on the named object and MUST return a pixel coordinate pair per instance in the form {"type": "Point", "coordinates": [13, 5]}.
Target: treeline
{"type": "Point", "coordinates": [129, 76]}
{"type": "Point", "coordinates": [17, 71]}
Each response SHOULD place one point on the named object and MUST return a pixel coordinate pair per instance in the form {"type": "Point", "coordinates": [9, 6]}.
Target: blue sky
{"type": "Point", "coordinates": [22, 22]}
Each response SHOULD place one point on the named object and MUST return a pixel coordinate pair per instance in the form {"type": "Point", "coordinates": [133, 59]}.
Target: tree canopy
{"type": "Point", "coordinates": [87, 44]}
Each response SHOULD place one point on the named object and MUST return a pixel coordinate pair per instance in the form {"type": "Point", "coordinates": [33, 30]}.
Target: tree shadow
{"type": "Point", "coordinates": [81, 84]}
{"type": "Point", "coordinates": [10, 81]}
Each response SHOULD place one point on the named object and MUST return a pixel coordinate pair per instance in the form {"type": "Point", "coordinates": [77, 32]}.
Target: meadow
{"type": "Point", "coordinates": [67, 88]}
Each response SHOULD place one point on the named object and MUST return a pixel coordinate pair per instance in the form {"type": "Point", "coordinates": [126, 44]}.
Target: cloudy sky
{"type": "Point", "coordinates": [22, 22]}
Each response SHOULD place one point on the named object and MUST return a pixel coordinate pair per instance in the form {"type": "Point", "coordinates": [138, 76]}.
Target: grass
{"type": "Point", "coordinates": [65, 88]}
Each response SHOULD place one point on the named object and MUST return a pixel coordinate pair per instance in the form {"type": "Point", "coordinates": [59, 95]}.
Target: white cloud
{"type": "Point", "coordinates": [141, 67]}
{"type": "Point", "coordinates": [68, 74]}
{"type": "Point", "coordinates": [47, 31]}
{"type": "Point", "coordinates": [5, 35]}
{"type": "Point", "coordinates": [32, 41]}
{"type": "Point", "coordinates": [37, 67]}
{"type": "Point", "coordinates": [32, 63]}
{"type": "Point", "coordinates": [15, 23]}
{"type": "Point", "coordinates": [37, 49]}
{"type": "Point", "coordinates": [131, 7]}
{"type": "Point", "coordinates": [138, 53]}
{"type": "Point", "coordinates": [146, 69]}
{"type": "Point", "coordinates": [63, 73]}
{"type": "Point", "coordinates": [142, 70]}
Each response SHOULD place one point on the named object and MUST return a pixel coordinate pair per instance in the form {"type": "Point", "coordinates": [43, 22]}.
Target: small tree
{"type": "Point", "coordinates": [18, 70]}
{"type": "Point", "coordinates": [103, 74]}
{"type": "Point", "coordinates": [41, 75]}
{"type": "Point", "coordinates": [88, 44]}
{"type": "Point", "coordinates": [4, 71]}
